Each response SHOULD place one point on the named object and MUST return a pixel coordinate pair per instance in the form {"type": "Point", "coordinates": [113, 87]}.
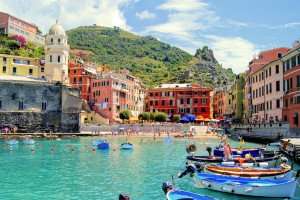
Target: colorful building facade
{"type": "Point", "coordinates": [222, 102]}
{"type": "Point", "coordinates": [21, 66]}
{"type": "Point", "coordinates": [179, 99]}
{"type": "Point", "coordinates": [81, 76]}
{"type": "Point", "coordinates": [264, 86]}
{"type": "Point", "coordinates": [291, 77]}
{"type": "Point", "coordinates": [11, 26]}
{"type": "Point", "coordinates": [113, 92]}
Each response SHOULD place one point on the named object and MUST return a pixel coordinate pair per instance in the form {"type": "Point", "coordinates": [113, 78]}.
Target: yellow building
{"type": "Point", "coordinates": [20, 66]}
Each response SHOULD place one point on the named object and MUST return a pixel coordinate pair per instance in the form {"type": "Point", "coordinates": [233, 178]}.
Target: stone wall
{"type": "Point", "coordinates": [61, 114]}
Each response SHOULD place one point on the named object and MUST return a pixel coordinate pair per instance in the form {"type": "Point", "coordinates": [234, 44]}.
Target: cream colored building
{"type": "Point", "coordinates": [267, 92]}
{"type": "Point", "coordinates": [57, 55]}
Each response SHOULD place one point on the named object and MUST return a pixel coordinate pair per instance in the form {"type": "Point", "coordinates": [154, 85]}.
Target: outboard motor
{"type": "Point", "coordinates": [209, 150]}
{"type": "Point", "coordinates": [124, 197]}
{"type": "Point", "coordinates": [298, 174]}
{"type": "Point", "coordinates": [190, 169]}
{"type": "Point", "coordinates": [166, 187]}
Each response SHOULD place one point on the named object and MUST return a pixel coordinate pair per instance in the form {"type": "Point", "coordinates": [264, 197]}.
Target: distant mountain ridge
{"type": "Point", "coordinates": [154, 62]}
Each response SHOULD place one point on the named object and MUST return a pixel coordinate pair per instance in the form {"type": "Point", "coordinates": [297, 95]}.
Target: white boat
{"type": "Point", "coordinates": [12, 142]}
{"type": "Point", "coordinates": [281, 188]}
{"type": "Point", "coordinates": [176, 194]}
{"type": "Point", "coordinates": [249, 171]}
{"type": "Point", "coordinates": [29, 141]}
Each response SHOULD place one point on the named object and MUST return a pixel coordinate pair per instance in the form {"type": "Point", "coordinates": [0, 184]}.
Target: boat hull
{"type": "Point", "coordinates": [219, 152]}
{"type": "Point", "coordinates": [247, 186]}
{"type": "Point", "coordinates": [126, 146]}
{"type": "Point", "coordinates": [205, 159]}
{"type": "Point", "coordinates": [180, 194]}
{"type": "Point", "coordinates": [248, 172]}
{"type": "Point", "coordinates": [103, 146]}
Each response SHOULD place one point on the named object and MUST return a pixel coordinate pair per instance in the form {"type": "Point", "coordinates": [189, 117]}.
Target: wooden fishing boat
{"type": "Point", "coordinates": [267, 157]}
{"type": "Point", "coordinates": [277, 188]}
{"type": "Point", "coordinates": [250, 171]}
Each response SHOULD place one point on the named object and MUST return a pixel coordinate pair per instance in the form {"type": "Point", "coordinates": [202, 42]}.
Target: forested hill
{"type": "Point", "coordinates": [153, 61]}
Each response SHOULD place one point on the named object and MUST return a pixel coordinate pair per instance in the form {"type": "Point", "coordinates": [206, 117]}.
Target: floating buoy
{"type": "Point", "coordinates": [191, 148]}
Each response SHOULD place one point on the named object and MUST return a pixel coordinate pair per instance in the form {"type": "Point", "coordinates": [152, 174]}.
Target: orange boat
{"type": "Point", "coordinates": [248, 171]}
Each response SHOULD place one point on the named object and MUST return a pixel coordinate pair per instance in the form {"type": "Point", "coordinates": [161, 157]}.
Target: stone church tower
{"type": "Point", "coordinates": [57, 55]}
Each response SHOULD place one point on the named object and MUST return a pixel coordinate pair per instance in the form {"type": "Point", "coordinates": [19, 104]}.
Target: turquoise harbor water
{"type": "Point", "coordinates": [69, 169]}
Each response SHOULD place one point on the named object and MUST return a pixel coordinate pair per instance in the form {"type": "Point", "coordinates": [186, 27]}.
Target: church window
{"type": "Point", "coordinates": [44, 105]}
{"type": "Point", "coordinates": [58, 59]}
{"type": "Point", "coordinates": [50, 58]}
{"type": "Point", "coordinates": [21, 105]}
{"type": "Point", "coordinates": [58, 40]}
{"type": "Point", "coordinates": [51, 40]}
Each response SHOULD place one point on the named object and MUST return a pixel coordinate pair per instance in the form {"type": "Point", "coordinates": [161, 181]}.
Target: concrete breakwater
{"type": "Point", "coordinates": [264, 133]}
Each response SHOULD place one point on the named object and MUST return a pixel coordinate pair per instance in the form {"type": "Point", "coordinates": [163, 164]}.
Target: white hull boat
{"type": "Point", "coordinates": [281, 188]}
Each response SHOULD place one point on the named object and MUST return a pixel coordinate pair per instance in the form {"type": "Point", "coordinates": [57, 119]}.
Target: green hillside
{"type": "Point", "coordinates": [13, 47]}
{"type": "Point", "coordinates": [146, 57]}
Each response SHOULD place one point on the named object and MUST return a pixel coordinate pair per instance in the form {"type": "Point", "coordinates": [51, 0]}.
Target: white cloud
{"type": "Point", "coordinates": [70, 13]}
{"type": "Point", "coordinates": [184, 18]}
{"type": "Point", "coordinates": [233, 52]}
{"type": "Point", "coordinates": [183, 6]}
{"type": "Point", "coordinates": [145, 14]}
{"type": "Point", "coordinates": [236, 23]}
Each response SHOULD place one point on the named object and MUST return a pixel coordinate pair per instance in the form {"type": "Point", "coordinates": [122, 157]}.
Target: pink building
{"type": "Point", "coordinates": [114, 92]}
{"type": "Point", "coordinates": [265, 82]}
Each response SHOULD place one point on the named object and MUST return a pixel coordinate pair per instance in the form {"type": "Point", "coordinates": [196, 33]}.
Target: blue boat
{"type": "Point", "coordinates": [175, 194]}
{"type": "Point", "coordinates": [126, 146]}
{"type": "Point", "coordinates": [102, 145]}
{"type": "Point", "coordinates": [254, 186]}
{"type": "Point", "coordinates": [256, 152]}
{"type": "Point", "coordinates": [276, 188]}
{"type": "Point", "coordinates": [183, 195]}
{"type": "Point", "coordinates": [12, 142]}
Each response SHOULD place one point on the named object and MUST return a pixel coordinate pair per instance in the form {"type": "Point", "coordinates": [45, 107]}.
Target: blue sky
{"type": "Point", "coordinates": [235, 29]}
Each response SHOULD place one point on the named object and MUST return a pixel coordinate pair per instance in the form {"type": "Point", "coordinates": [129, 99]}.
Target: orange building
{"type": "Point", "coordinates": [291, 77]}
{"type": "Point", "coordinates": [179, 99]}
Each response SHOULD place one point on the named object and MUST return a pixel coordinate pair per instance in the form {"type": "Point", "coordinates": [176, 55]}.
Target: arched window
{"type": "Point", "coordinates": [58, 59]}
{"type": "Point", "coordinates": [50, 58]}
{"type": "Point", "coordinates": [51, 40]}
{"type": "Point", "coordinates": [58, 40]}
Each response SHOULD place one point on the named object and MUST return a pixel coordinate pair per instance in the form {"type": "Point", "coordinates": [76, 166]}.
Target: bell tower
{"type": "Point", "coordinates": [57, 55]}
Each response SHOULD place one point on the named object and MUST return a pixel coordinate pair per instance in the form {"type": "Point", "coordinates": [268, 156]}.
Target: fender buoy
{"type": "Point", "coordinates": [191, 148]}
